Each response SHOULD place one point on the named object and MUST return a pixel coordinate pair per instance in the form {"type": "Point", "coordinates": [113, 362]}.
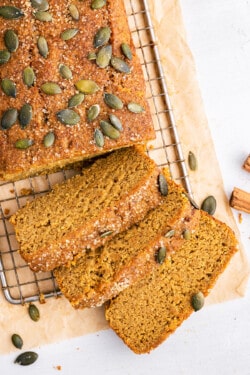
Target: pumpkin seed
{"type": "Point", "coordinates": [43, 46]}
{"type": "Point", "coordinates": [74, 12]}
{"type": "Point", "coordinates": [87, 86]}
{"type": "Point", "coordinates": [106, 234]}
{"type": "Point", "coordinates": [113, 101]}
{"type": "Point", "coordinates": [24, 143]}
{"type": "Point", "coordinates": [209, 205]}
{"type": "Point", "coordinates": [93, 112]}
{"type": "Point", "coordinates": [102, 36]}
{"type": "Point", "coordinates": [163, 185]}
{"type": "Point", "coordinates": [26, 358]}
{"type": "Point", "coordinates": [109, 130]}
{"type": "Point", "coordinates": [115, 121]}
{"type": "Point", "coordinates": [69, 34]}
{"type": "Point", "coordinates": [170, 233]}
{"type": "Point", "coordinates": [10, 12]}
{"type": "Point", "coordinates": [68, 117]}
{"type": "Point", "coordinates": [104, 56]}
{"type": "Point", "coordinates": [28, 76]}
{"type": "Point", "coordinates": [11, 40]}
{"type": "Point", "coordinates": [192, 161]}
{"type": "Point", "coordinates": [75, 100]}
{"type": "Point", "coordinates": [49, 139]}
{"type": "Point", "coordinates": [51, 88]}
{"type": "Point", "coordinates": [120, 65]}
{"type": "Point", "coordinates": [40, 4]}
{"type": "Point", "coordinates": [9, 118]}
{"type": "Point", "coordinates": [17, 341]}
{"type": "Point", "coordinates": [8, 87]}
{"type": "Point", "coordinates": [161, 254]}
{"type": "Point", "coordinates": [186, 234]}
{"type": "Point", "coordinates": [126, 51]}
{"type": "Point", "coordinates": [99, 138]}
{"type": "Point", "coordinates": [25, 115]}
{"type": "Point", "coordinates": [65, 71]}
{"type": "Point", "coordinates": [98, 4]}
{"type": "Point", "coordinates": [135, 107]}
{"type": "Point", "coordinates": [197, 301]}
{"type": "Point", "coordinates": [4, 56]}
{"type": "Point", "coordinates": [34, 312]}
{"type": "Point", "coordinates": [91, 56]}
{"type": "Point", "coordinates": [43, 16]}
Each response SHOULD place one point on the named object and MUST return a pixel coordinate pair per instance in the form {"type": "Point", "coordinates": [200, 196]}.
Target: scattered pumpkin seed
{"type": "Point", "coordinates": [192, 161]}
{"type": "Point", "coordinates": [69, 34]}
{"type": "Point", "coordinates": [10, 12]}
{"type": "Point", "coordinates": [28, 76]}
{"type": "Point", "coordinates": [170, 233]}
{"type": "Point", "coordinates": [98, 4]}
{"type": "Point", "coordinates": [113, 101]}
{"type": "Point", "coordinates": [87, 86]}
{"type": "Point", "coordinates": [161, 254]}
{"type": "Point", "coordinates": [106, 234]}
{"type": "Point", "coordinates": [8, 87]}
{"type": "Point", "coordinates": [99, 138]}
{"type": "Point", "coordinates": [209, 205]}
{"type": "Point", "coordinates": [26, 358]}
{"type": "Point", "coordinates": [197, 301]}
{"type": "Point", "coordinates": [163, 185]}
{"type": "Point", "coordinates": [102, 36]}
{"type": "Point", "coordinates": [91, 56]}
{"type": "Point", "coordinates": [74, 12]}
{"type": "Point", "coordinates": [93, 112]}
{"type": "Point", "coordinates": [4, 56]}
{"type": "Point", "coordinates": [51, 88]}
{"type": "Point", "coordinates": [40, 4]}
{"type": "Point", "coordinates": [9, 118]}
{"type": "Point", "coordinates": [120, 65]}
{"type": "Point", "coordinates": [43, 16]}
{"type": "Point", "coordinates": [24, 143]}
{"type": "Point", "coordinates": [49, 139]}
{"type": "Point", "coordinates": [17, 341]}
{"type": "Point", "coordinates": [65, 71]}
{"type": "Point", "coordinates": [109, 130]}
{"type": "Point", "coordinates": [115, 121]}
{"type": "Point", "coordinates": [103, 57]}
{"type": "Point", "coordinates": [43, 46]}
{"type": "Point", "coordinates": [11, 40]}
{"type": "Point", "coordinates": [25, 115]}
{"type": "Point", "coordinates": [75, 100]}
{"type": "Point", "coordinates": [186, 234]}
{"type": "Point", "coordinates": [68, 117]}
{"type": "Point", "coordinates": [135, 107]}
{"type": "Point", "coordinates": [34, 312]}
{"type": "Point", "coordinates": [126, 51]}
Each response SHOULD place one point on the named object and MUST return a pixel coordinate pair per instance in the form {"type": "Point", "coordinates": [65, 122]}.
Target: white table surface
{"type": "Point", "coordinates": [217, 339]}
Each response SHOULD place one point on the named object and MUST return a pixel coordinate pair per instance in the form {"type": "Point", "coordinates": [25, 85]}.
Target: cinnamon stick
{"type": "Point", "coordinates": [240, 200]}
{"type": "Point", "coordinates": [246, 164]}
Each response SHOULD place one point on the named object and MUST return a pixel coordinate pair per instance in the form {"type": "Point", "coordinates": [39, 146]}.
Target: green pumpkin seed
{"type": "Point", "coordinates": [91, 56]}
{"type": "Point", "coordinates": [9, 118]}
{"type": "Point", "coordinates": [87, 86]}
{"type": "Point", "coordinates": [75, 100]}
{"type": "Point", "coordinates": [33, 312]}
{"type": "Point", "coordinates": [115, 121]}
{"type": "Point", "coordinates": [68, 117]}
{"type": "Point", "coordinates": [209, 205]}
{"type": "Point", "coordinates": [24, 143]}
{"type": "Point", "coordinates": [163, 185]}
{"type": "Point", "coordinates": [186, 234]}
{"type": "Point", "coordinates": [192, 161]}
{"type": "Point", "coordinates": [26, 358]}
{"type": "Point", "coordinates": [170, 233]}
{"type": "Point", "coordinates": [69, 34]}
{"type": "Point", "coordinates": [104, 56]}
{"type": "Point", "coordinates": [113, 101]}
{"type": "Point", "coordinates": [93, 112]}
{"type": "Point", "coordinates": [135, 107]}
{"type": "Point", "coordinates": [8, 87]}
{"type": "Point", "coordinates": [126, 51]}
{"type": "Point", "coordinates": [109, 130]}
{"type": "Point", "coordinates": [106, 234]}
{"type": "Point", "coordinates": [17, 341]}
{"type": "Point", "coordinates": [98, 4]}
{"type": "Point", "coordinates": [4, 56]}
{"type": "Point", "coordinates": [65, 71]}
{"type": "Point", "coordinates": [43, 46]}
{"type": "Point", "coordinates": [51, 88]}
{"type": "Point", "coordinates": [40, 4]}
{"type": "Point", "coordinates": [43, 16]}
{"type": "Point", "coordinates": [74, 12]}
{"type": "Point", "coordinates": [197, 301]}
{"type": "Point", "coordinates": [28, 76]}
{"type": "Point", "coordinates": [120, 65]}
{"type": "Point", "coordinates": [25, 115]}
{"type": "Point", "coordinates": [161, 254]}
{"type": "Point", "coordinates": [102, 36]}
{"type": "Point", "coordinates": [49, 139]}
{"type": "Point", "coordinates": [11, 40]}
{"type": "Point", "coordinates": [99, 138]}
{"type": "Point", "coordinates": [10, 13]}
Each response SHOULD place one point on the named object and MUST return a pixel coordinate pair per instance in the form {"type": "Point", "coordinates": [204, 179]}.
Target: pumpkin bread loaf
{"type": "Point", "coordinates": [101, 274]}
{"type": "Point", "coordinates": [146, 313]}
{"type": "Point", "coordinates": [71, 85]}
{"type": "Point", "coordinates": [85, 211]}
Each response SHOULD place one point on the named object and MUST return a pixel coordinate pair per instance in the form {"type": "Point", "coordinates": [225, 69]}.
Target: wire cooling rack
{"type": "Point", "coordinates": [19, 283]}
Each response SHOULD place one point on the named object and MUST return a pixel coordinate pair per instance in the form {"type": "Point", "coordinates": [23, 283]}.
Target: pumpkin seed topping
{"type": "Point", "coordinates": [4, 56]}
{"type": "Point", "coordinates": [186, 234]}
{"type": "Point", "coordinates": [17, 341]}
{"type": "Point", "coordinates": [49, 139]}
{"type": "Point", "coordinates": [26, 358]}
{"type": "Point", "coordinates": [91, 56]}
{"type": "Point", "coordinates": [9, 118]}
{"type": "Point", "coordinates": [163, 185]}
{"type": "Point", "coordinates": [99, 138]}
{"type": "Point", "coordinates": [87, 86]}
{"type": "Point", "coordinates": [25, 115]}
{"type": "Point", "coordinates": [10, 12]}
{"type": "Point", "coordinates": [28, 76]}
{"type": "Point", "coordinates": [75, 100]}
{"type": "Point", "coordinates": [120, 65]}
{"type": "Point", "coordinates": [192, 161]}
{"type": "Point", "coordinates": [65, 71]}
{"type": "Point", "coordinates": [113, 101]}
{"type": "Point", "coordinates": [69, 34]}
{"type": "Point", "coordinates": [24, 143]}
{"type": "Point", "coordinates": [74, 12]}
{"type": "Point", "coordinates": [135, 107]}
{"type": "Point", "coordinates": [40, 4]}
{"type": "Point", "coordinates": [93, 112]}
{"type": "Point", "coordinates": [126, 51]}
{"type": "Point", "coordinates": [170, 233]}
{"type": "Point", "coordinates": [11, 40]}
{"type": "Point", "coordinates": [43, 16]}
{"type": "Point", "coordinates": [197, 301]}
{"type": "Point", "coordinates": [8, 87]}
{"type": "Point", "coordinates": [43, 46]}
{"type": "Point", "coordinates": [98, 4]}
{"type": "Point", "coordinates": [209, 205]}
{"type": "Point", "coordinates": [106, 234]}
{"type": "Point", "coordinates": [34, 312]}
{"type": "Point", "coordinates": [109, 130]}
{"type": "Point", "coordinates": [68, 117]}
{"type": "Point", "coordinates": [115, 121]}
{"type": "Point", "coordinates": [102, 36]}
{"type": "Point", "coordinates": [161, 254]}
{"type": "Point", "coordinates": [51, 88]}
{"type": "Point", "coordinates": [104, 56]}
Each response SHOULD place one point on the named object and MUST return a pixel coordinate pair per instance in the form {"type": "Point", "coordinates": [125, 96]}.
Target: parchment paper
{"type": "Point", "coordinates": [58, 319]}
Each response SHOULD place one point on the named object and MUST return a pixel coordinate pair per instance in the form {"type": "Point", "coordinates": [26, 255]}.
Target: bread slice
{"type": "Point", "coordinates": [87, 210]}
{"type": "Point", "coordinates": [147, 312]}
{"type": "Point", "coordinates": [101, 274]}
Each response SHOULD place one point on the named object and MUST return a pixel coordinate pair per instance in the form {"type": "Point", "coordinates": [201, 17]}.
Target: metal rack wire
{"type": "Point", "coordinates": [21, 285]}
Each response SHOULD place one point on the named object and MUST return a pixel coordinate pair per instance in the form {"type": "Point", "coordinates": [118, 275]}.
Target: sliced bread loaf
{"type": "Point", "coordinates": [147, 312]}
